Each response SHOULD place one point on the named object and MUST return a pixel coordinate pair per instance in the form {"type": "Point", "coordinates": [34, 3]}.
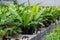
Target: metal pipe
{"type": "Point", "coordinates": [28, 2]}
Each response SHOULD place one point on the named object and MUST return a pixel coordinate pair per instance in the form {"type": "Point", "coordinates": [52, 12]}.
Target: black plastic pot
{"type": "Point", "coordinates": [46, 25]}
{"type": "Point", "coordinates": [38, 27]}
{"type": "Point", "coordinates": [48, 22]}
{"type": "Point", "coordinates": [31, 30]}
{"type": "Point", "coordinates": [54, 21]}
{"type": "Point", "coordinates": [58, 19]}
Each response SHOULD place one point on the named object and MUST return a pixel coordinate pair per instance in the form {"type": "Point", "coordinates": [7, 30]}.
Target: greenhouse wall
{"type": "Point", "coordinates": [33, 2]}
{"type": "Point", "coordinates": [46, 2]}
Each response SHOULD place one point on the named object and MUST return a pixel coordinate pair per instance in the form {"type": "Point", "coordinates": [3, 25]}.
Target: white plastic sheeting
{"type": "Point", "coordinates": [33, 2]}
{"type": "Point", "coordinates": [42, 2]}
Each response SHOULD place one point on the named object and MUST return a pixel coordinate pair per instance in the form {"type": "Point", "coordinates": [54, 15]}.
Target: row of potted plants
{"type": "Point", "coordinates": [16, 19]}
